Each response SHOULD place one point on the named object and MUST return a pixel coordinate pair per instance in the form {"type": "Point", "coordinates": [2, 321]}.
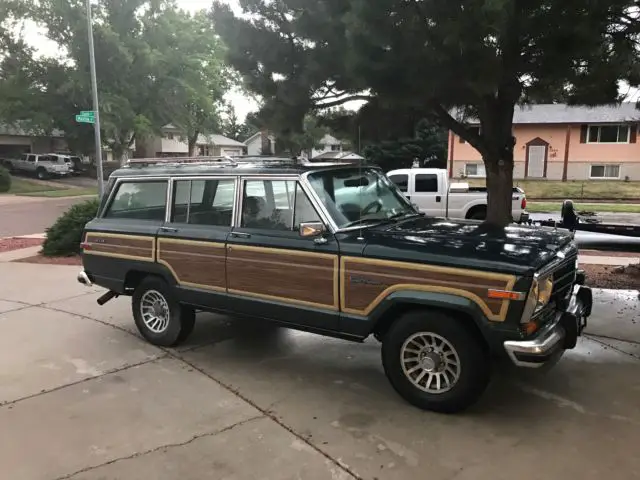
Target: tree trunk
{"type": "Point", "coordinates": [192, 144]}
{"type": "Point", "coordinates": [499, 188]}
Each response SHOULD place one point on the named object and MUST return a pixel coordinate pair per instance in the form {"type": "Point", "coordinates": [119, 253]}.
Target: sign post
{"type": "Point", "coordinates": [96, 108]}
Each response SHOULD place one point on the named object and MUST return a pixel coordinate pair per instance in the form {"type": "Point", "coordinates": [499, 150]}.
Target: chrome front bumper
{"type": "Point", "coordinates": [560, 335]}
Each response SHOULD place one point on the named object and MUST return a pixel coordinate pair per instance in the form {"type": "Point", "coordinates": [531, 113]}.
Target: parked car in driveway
{"type": "Point", "coordinates": [43, 166]}
{"type": "Point", "coordinates": [431, 191]}
{"type": "Point", "coordinates": [338, 251]}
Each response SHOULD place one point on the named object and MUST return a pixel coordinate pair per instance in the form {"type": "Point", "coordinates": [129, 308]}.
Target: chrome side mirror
{"type": "Point", "coordinates": [311, 229]}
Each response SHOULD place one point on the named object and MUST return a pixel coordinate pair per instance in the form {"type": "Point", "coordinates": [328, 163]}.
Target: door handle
{"type": "Point", "coordinates": [438, 198]}
{"type": "Point", "coordinates": [168, 229]}
{"type": "Point", "coordinates": [240, 235]}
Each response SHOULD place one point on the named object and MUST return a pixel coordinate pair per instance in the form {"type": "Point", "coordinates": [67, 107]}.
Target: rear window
{"type": "Point", "coordinates": [139, 201]}
{"type": "Point", "coordinates": [426, 182]}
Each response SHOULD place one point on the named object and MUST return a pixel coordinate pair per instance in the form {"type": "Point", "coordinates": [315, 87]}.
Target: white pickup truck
{"type": "Point", "coordinates": [43, 166]}
{"type": "Point", "coordinates": [430, 190]}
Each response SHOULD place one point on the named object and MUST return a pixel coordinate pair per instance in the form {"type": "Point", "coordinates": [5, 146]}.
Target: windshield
{"type": "Point", "coordinates": [359, 196]}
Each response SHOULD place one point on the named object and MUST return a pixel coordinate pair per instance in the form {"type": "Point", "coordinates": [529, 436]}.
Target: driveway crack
{"type": "Point", "coordinates": [162, 447]}
{"type": "Point", "coordinates": [78, 382]}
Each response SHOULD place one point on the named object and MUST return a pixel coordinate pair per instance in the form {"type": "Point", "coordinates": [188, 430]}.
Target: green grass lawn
{"type": "Point", "coordinates": [22, 186]}
{"type": "Point", "coordinates": [591, 190]}
{"type": "Point", "coordinates": [34, 188]}
{"type": "Point", "coordinates": [69, 192]}
{"type": "Point", "coordinates": [549, 207]}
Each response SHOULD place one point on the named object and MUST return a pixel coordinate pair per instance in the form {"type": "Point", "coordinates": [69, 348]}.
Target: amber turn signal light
{"type": "Point", "coordinates": [505, 295]}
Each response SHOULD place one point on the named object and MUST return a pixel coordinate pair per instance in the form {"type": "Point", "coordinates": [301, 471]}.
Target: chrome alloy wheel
{"type": "Point", "coordinates": [430, 362]}
{"type": "Point", "coordinates": [154, 310]}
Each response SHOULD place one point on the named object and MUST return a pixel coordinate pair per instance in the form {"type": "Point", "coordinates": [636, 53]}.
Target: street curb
{"type": "Point", "coordinates": [32, 235]}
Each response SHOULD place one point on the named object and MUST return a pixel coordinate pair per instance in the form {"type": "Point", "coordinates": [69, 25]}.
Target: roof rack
{"type": "Point", "coordinates": [168, 161]}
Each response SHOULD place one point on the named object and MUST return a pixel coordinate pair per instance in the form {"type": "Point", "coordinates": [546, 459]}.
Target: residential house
{"type": "Point", "coordinates": [560, 142]}
{"type": "Point", "coordinates": [172, 143]}
{"type": "Point", "coordinates": [15, 140]}
{"type": "Point", "coordinates": [326, 144]}
{"type": "Point", "coordinates": [261, 143]}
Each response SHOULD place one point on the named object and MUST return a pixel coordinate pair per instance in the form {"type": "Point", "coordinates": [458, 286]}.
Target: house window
{"type": "Point", "coordinates": [335, 148]}
{"type": "Point", "coordinates": [608, 134]}
{"type": "Point", "coordinates": [474, 170]}
{"type": "Point", "coordinates": [605, 171]}
{"type": "Point", "coordinates": [170, 136]}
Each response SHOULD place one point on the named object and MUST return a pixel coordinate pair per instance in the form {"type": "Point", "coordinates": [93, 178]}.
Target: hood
{"type": "Point", "coordinates": [467, 244]}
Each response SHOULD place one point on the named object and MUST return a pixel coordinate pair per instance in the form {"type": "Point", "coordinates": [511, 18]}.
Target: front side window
{"type": "Point", "coordinates": [203, 202]}
{"type": "Point", "coordinates": [359, 196]}
{"type": "Point", "coordinates": [608, 134]}
{"type": "Point", "coordinates": [276, 205]}
{"type": "Point", "coordinates": [401, 181]}
{"type": "Point", "coordinates": [268, 204]}
{"type": "Point", "coordinates": [605, 171]}
{"type": "Point", "coordinates": [139, 200]}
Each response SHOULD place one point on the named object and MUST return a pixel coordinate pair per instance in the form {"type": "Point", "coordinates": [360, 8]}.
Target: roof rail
{"type": "Point", "coordinates": [143, 162]}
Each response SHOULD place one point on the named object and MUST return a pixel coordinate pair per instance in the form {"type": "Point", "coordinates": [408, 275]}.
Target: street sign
{"type": "Point", "coordinates": [88, 113]}
{"type": "Point", "coordinates": [85, 119]}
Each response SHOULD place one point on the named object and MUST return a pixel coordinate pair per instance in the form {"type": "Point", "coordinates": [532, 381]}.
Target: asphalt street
{"type": "Point", "coordinates": [27, 215]}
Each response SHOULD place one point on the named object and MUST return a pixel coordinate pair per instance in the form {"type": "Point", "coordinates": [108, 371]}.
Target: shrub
{"type": "Point", "coordinates": [5, 180]}
{"type": "Point", "coordinates": [64, 236]}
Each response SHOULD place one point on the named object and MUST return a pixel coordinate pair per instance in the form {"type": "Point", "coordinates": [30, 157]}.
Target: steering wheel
{"type": "Point", "coordinates": [371, 206]}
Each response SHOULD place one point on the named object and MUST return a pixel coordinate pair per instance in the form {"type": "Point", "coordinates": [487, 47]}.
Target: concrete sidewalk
{"type": "Point", "coordinates": [83, 397]}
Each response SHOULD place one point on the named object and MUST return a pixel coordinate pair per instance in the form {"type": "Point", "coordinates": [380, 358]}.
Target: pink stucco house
{"type": "Point", "coordinates": [558, 142]}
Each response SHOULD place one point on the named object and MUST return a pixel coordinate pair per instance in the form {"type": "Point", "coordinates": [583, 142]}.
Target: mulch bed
{"type": "Point", "coordinates": [40, 259]}
{"type": "Point", "coordinates": [8, 244]}
{"type": "Point", "coordinates": [606, 276]}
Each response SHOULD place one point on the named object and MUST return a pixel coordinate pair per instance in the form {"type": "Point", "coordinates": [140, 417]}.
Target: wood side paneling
{"type": "Point", "coordinates": [131, 247]}
{"type": "Point", "coordinates": [366, 282]}
{"type": "Point", "coordinates": [194, 263]}
{"type": "Point", "coordinates": [288, 275]}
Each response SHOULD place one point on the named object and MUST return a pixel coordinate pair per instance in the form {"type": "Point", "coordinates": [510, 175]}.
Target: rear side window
{"type": "Point", "coordinates": [139, 201]}
{"type": "Point", "coordinates": [426, 183]}
{"type": "Point", "coordinates": [402, 181]}
{"type": "Point", "coordinates": [204, 202]}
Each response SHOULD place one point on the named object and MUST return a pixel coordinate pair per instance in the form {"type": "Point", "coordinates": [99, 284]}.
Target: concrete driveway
{"type": "Point", "coordinates": [85, 398]}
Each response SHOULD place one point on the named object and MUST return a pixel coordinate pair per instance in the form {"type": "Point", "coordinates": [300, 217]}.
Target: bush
{"type": "Point", "coordinates": [64, 236]}
{"type": "Point", "coordinates": [5, 180]}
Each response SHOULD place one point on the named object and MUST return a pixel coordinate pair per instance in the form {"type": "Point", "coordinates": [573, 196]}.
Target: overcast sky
{"type": "Point", "coordinates": [242, 104]}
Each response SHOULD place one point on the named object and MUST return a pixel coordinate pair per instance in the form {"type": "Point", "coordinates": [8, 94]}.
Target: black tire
{"type": "Point", "coordinates": [478, 214]}
{"type": "Point", "coordinates": [41, 173]}
{"type": "Point", "coordinates": [181, 319]}
{"type": "Point", "coordinates": [474, 362]}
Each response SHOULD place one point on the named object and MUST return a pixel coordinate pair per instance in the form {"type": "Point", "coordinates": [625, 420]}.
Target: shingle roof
{"type": "Point", "coordinates": [218, 141]}
{"type": "Point", "coordinates": [560, 113]}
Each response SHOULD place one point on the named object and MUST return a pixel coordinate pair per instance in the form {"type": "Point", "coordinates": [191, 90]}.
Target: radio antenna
{"type": "Point", "coordinates": [360, 237]}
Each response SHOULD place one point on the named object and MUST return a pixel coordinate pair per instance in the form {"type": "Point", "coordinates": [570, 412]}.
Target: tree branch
{"type": "Point", "coordinates": [447, 121]}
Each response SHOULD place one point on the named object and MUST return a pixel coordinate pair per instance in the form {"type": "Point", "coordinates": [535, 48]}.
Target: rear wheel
{"type": "Point", "coordinates": [41, 173]}
{"type": "Point", "coordinates": [478, 214]}
{"type": "Point", "coordinates": [434, 362]}
{"type": "Point", "coordinates": [160, 319]}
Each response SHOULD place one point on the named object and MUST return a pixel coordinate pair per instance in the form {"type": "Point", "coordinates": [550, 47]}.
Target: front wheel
{"type": "Point", "coordinates": [160, 319]}
{"type": "Point", "coordinates": [434, 362]}
{"type": "Point", "coordinates": [41, 173]}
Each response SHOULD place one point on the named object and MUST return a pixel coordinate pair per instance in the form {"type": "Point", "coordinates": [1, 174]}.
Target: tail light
{"type": "Point", "coordinates": [523, 204]}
